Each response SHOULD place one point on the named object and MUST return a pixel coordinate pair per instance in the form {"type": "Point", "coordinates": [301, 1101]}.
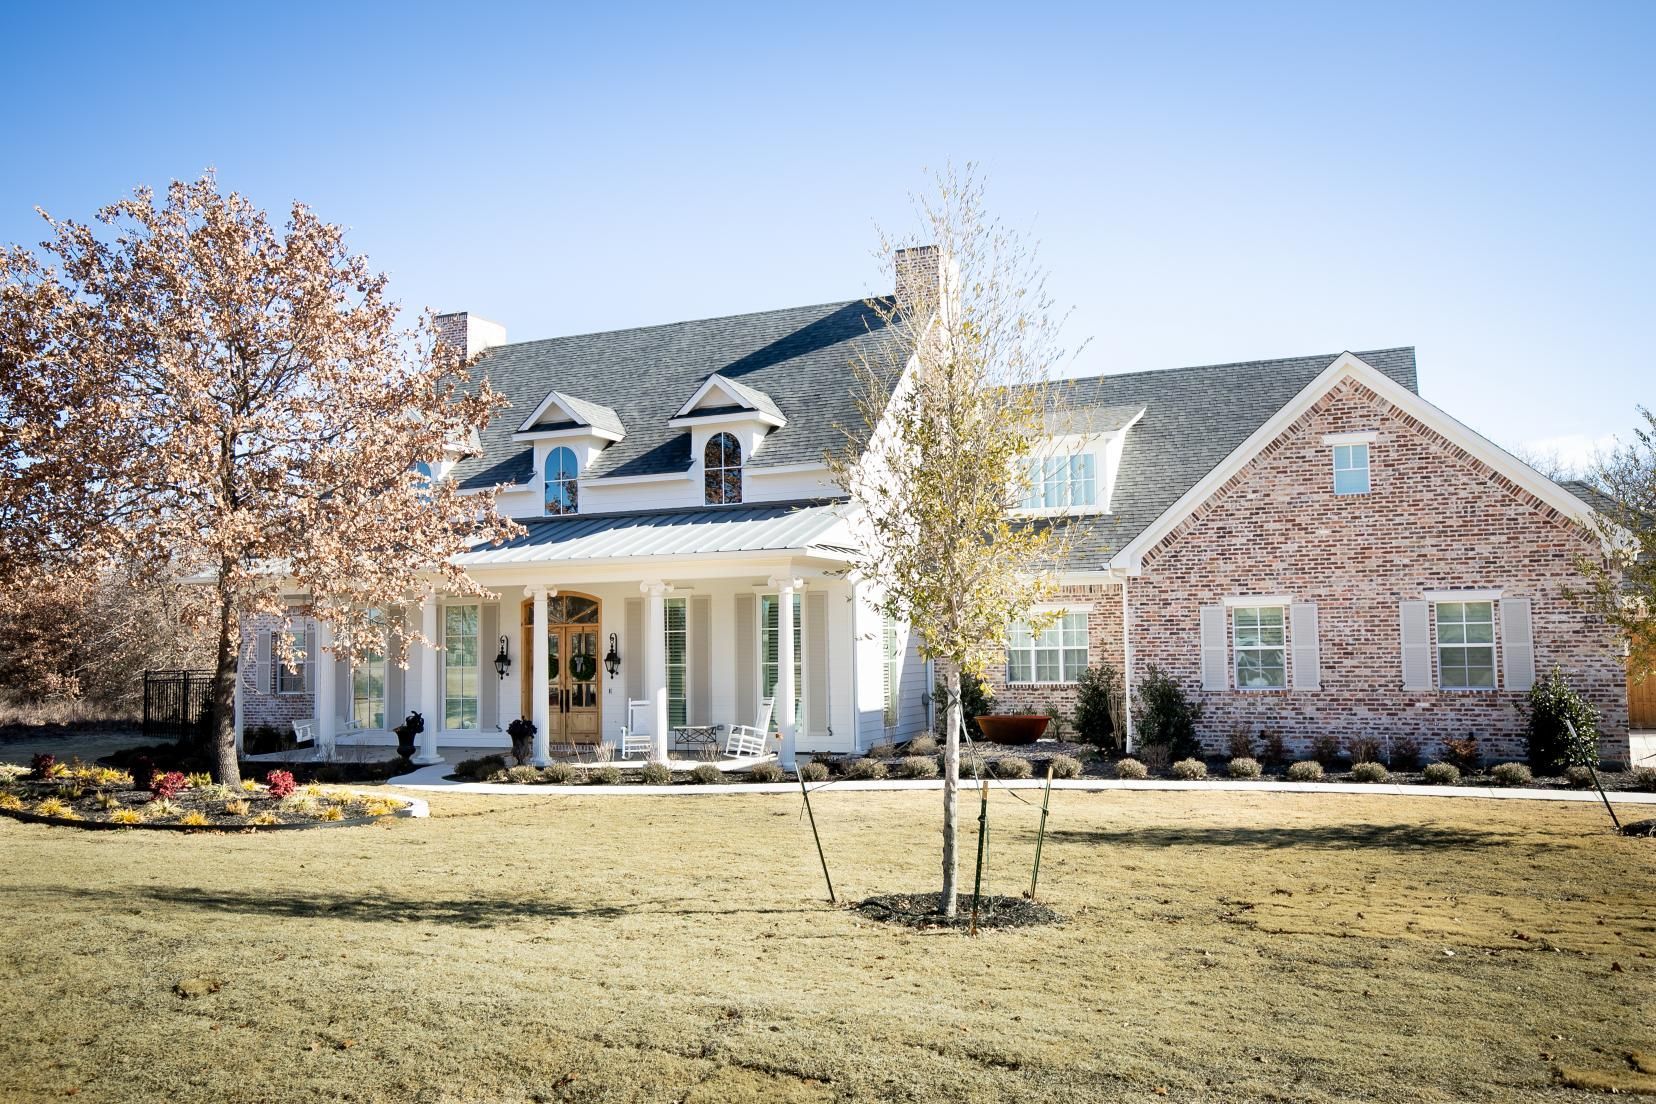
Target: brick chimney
{"type": "Point", "coordinates": [463, 330]}
{"type": "Point", "coordinates": [918, 276]}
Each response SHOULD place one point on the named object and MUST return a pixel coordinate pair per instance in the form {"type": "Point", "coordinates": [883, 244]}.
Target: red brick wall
{"type": "Point", "coordinates": [1103, 645]}
{"type": "Point", "coordinates": [259, 705]}
{"type": "Point", "coordinates": [1435, 519]}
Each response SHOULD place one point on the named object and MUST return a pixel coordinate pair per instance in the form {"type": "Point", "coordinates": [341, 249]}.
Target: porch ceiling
{"type": "Point", "coordinates": [815, 527]}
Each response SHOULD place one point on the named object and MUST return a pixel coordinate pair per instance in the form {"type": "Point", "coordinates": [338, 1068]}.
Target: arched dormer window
{"type": "Point", "coordinates": [722, 470]}
{"type": "Point", "coordinates": [562, 469]}
{"type": "Point", "coordinates": [423, 470]}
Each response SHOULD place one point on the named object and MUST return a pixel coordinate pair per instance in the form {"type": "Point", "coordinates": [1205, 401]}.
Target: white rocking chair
{"type": "Point", "coordinates": [750, 739]}
{"type": "Point", "coordinates": [632, 740]}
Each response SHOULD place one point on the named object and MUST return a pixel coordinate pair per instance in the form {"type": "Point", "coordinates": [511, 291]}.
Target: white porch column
{"type": "Point", "coordinates": [787, 722]}
{"type": "Point", "coordinates": [540, 682]}
{"type": "Point", "coordinates": [655, 663]}
{"type": "Point", "coordinates": [429, 699]}
{"type": "Point", "coordinates": [327, 704]}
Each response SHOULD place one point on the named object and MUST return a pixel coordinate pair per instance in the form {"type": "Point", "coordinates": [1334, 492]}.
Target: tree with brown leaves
{"type": "Point", "coordinates": [187, 389]}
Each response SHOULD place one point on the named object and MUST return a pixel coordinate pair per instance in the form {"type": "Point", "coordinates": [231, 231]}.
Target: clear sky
{"type": "Point", "coordinates": [1208, 182]}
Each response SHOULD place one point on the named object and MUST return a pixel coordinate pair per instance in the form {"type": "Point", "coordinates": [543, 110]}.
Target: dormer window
{"type": "Point", "coordinates": [423, 471]}
{"type": "Point", "coordinates": [722, 470]}
{"type": "Point", "coordinates": [561, 472]}
{"type": "Point", "coordinates": [1060, 482]}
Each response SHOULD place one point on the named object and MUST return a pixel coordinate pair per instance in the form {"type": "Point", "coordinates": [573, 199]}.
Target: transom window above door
{"type": "Point", "coordinates": [561, 476]}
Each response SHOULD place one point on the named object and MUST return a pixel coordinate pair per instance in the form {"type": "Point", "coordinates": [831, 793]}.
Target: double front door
{"type": "Point", "coordinates": [572, 668]}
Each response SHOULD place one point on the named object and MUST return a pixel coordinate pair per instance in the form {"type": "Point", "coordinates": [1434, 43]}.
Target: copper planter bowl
{"type": "Point", "coordinates": [1013, 728]}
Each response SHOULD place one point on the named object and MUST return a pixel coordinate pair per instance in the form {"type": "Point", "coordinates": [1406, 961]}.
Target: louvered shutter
{"type": "Point", "coordinates": [1214, 676]}
{"type": "Point", "coordinates": [1302, 617]}
{"type": "Point", "coordinates": [816, 663]}
{"type": "Point", "coordinates": [701, 659]}
{"type": "Point", "coordinates": [396, 679]}
{"type": "Point", "coordinates": [488, 706]}
{"type": "Point", "coordinates": [310, 659]}
{"type": "Point", "coordinates": [264, 671]}
{"type": "Point", "coordinates": [1416, 631]}
{"type": "Point", "coordinates": [633, 645]}
{"type": "Point", "coordinates": [1517, 645]}
{"type": "Point", "coordinates": [747, 663]}
{"type": "Point", "coordinates": [342, 687]}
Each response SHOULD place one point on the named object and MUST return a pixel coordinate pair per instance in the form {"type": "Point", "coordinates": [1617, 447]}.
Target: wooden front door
{"type": "Point", "coordinates": [573, 668]}
{"type": "Point", "coordinates": [1641, 704]}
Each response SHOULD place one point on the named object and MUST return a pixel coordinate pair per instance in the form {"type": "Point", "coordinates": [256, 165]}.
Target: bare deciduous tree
{"type": "Point", "coordinates": [1621, 586]}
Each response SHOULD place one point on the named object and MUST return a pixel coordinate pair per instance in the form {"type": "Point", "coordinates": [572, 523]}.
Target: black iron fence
{"type": "Point", "coordinates": [178, 705]}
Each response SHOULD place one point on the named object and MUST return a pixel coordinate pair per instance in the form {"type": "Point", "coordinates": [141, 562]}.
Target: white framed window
{"type": "Point", "coordinates": [770, 651]}
{"type": "Point", "coordinates": [678, 660]}
{"type": "Point", "coordinates": [560, 475]}
{"type": "Point", "coordinates": [1465, 645]}
{"type": "Point", "coordinates": [293, 674]}
{"type": "Point", "coordinates": [368, 685]}
{"type": "Point", "coordinates": [460, 671]}
{"type": "Point", "coordinates": [1351, 469]}
{"type": "Point", "coordinates": [722, 470]}
{"type": "Point", "coordinates": [1061, 482]}
{"type": "Point", "coordinates": [1058, 653]}
{"type": "Point", "coordinates": [1259, 645]}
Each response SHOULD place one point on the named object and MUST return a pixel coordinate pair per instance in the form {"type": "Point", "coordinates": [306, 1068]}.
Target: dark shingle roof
{"type": "Point", "coordinates": [1193, 419]}
{"type": "Point", "coordinates": [800, 358]}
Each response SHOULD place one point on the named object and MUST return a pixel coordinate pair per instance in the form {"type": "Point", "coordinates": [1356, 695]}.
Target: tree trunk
{"type": "Point", "coordinates": [952, 724]}
{"type": "Point", "coordinates": [226, 770]}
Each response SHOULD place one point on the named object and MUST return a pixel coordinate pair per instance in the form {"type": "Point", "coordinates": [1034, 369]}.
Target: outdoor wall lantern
{"type": "Point", "coordinates": [503, 662]}
{"type": "Point", "coordinates": [612, 662]}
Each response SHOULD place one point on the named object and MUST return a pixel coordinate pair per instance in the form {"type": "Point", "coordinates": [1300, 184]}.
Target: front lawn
{"type": "Point", "coordinates": [1218, 946]}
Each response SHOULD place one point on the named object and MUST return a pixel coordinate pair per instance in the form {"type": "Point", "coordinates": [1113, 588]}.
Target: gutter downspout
{"type": "Point", "coordinates": [1127, 664]}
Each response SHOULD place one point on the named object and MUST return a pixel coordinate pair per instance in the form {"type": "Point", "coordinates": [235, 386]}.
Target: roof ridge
{"type": "Point", "coordinates": [835, 303]}
{"type": "Point", "coordinates": [1330, 357]}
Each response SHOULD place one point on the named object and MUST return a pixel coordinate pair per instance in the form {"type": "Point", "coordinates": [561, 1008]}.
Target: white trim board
{"type": "Point", "coordinates": [1258, 600]}
{"type": "Point", "coordinates": [1463, 595]}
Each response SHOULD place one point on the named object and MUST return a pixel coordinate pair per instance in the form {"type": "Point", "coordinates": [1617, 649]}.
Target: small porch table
{"type": "Point", "coordinates": [697, 737]}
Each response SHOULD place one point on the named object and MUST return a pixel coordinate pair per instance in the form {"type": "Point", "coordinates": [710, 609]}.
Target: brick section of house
{"type": "Point", "coordinates": [261, 707]}
{"type": "Point", "coordinates": [1104, 645]}
{"type": "Point", "coordinates": [1436, 518]}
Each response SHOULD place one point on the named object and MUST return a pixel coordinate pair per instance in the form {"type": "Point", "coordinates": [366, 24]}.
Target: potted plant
{"type": "Point", "coordinates": [412, 726]}
{"type": "Point", "coordinates": [522, 732]}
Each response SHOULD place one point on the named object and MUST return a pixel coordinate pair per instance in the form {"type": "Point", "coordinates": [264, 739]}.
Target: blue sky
{"type": "Point", "coordinates": [1208, 182]}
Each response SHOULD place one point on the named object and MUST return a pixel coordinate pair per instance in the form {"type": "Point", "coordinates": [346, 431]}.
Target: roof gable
{"type": "Point", "coordinates": [559, 412]}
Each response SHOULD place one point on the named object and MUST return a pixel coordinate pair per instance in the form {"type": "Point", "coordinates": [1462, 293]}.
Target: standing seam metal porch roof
{"type": "Point", "coordinates": [700, 531]}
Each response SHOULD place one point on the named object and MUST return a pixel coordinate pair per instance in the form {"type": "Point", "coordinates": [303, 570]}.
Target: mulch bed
{"type": "Point", "coordinates": [1645, 829]}
{"type": "Point", "coordinates": [192, 809]}
{"type": "Point", "coordinates": [924, 910]}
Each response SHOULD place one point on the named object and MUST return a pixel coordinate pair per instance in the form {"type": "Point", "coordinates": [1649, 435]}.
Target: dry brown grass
{"type": "Point", "coordinates": [1220, 946]}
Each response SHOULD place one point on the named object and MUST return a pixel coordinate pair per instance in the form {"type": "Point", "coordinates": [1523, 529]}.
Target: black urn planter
{"type": "Point", "coordinates": [522, 732]}
{"type": "Point", "coordinates": [412, 726]}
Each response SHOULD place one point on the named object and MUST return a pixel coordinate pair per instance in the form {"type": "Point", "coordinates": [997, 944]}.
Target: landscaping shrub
{"type": "Point", "coordinates": [1097, 701]}
{"type": "Point", "coordinates": [161, 807]}
{"type": "Point", "coordinates": [706, 774]}
{"type": "Point", "coordinates": [1326, 751]}
{"type": "Point", "coordinates": [10, 802]}
{"type": "Point", "coordinates": [864, 770]}
{"type": "Point", "coordinates": [1188, 770]}
{"type": "Point", "coordinates": [1131, 769]}
{"type": "Point", "coordinates": [558, 774]}
{"type": "Point", "coordinates": [237, 807]}
{"type": "Point", "coordinates": [814, 771]}
{"type": "Point", "coordinates": [126, 816]}
{"type": "Point", "coordinates": [1365, 749]}
{"type": "Point", "coordinates": [1243, 766]}
{"type": "Point", "coordinates": [976, 699]}
{"type": "Point", "coordinates": [605, 775]}
{"type": "Point", "coordinates": [1065, 766]}
{"type": "Point", "coordinates": [1405, 754]}
{"type": "Point", "coordinates": [1369, 771]}
{"type": "Point", "coordinates": [167, 785]}
{"type": "Point", "coordinates": [1579, 777]}
{"type": "Point", "coordinates": [195, 818]}
{"type": "Point", "coordinates": [1164, 717]}
{"type": "Point", "coordinates": [523, 774]}
{"type": "Point", "coordinates": [1306, 770]}
{"type": "Point", "coordinates": [1155, 759]}
{"type": "Point", "coordinates": [280, 783]}
{"type": "Point", "coordinates": [1013, 766]}
{"type": "Point", "coordinates": [1552, 702]}
{"type": "Point", "coordinates": [656, 774]}
{"type": "Point", "coordinates": [1511, 774]}
{"type": "Point", "coordinates": [917, 766]}
{"type": "Point", "coordinates": [1441, 774]}
{"type": "Point", "coordinates": [883, 751]}
{"type": "Point", "coordinates": [43, 765]}
{"type": "Point", "coordinates": [480, 769]}
{"type": "Point", "coordinates": [767, 772]}
{"type": "Point", "coordinates": [54, 807]}
{"type": "Point", "coordinates": [1272, 748]}
{"type": "Point", "coordinates": [198, 780]}
{"type": "Point", "coordinates": [1463, 754]}
{"type": "Point", "coordinates": [1240, 744]}
{"type": "Point", "coordinates": [923, 745]}
{"type": "Point", "coordinates": [1643, 779]}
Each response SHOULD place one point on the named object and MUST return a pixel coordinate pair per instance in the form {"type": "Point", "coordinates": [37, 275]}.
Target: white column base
{"type": "Point", "coordinates": [426, 759]}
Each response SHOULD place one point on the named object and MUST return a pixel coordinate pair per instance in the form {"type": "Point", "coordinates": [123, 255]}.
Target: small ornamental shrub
{"type": "Point", "coordinates": [198, 780]}
{"type": "Point", "coordinates": [1306, 770]}
{"type": "Point", "coordinates": [656, 774]}
{"type": "Point", "coordinates": [265, 820]}
{"type": "Point", "coordinates": [1131, 769]}
{"type": "Point", "coordinates": [972, 765]}
{"type": "Point", "coordinates": [1097, 702]}
{"type": "Point", "coordinates": [167, 785]}
{"type": "Point", "coordinates": [976, 699]}
{"type": "Point", "coordinates": [557, 774]}
{"type": "Point", "coordinates": [1272, 749]}
{"type": "Point", "coordinates": [1188, 770]}
{"type": "Point", "coordinates": [161, 807]}
{"type": "Point", "coordinates": [248, 786]}
{"type": "Point", "coordinates": [106, 801]}
{"type": "Point", "coordinates": [300, 804]}
{"type": "Point", "coordinates": [1463, 754]}
{"type": "Point", "coordinates": [126, 816]}
{"type": "Point", "coordinates": [923, 745]}
{"type": "Point", "coordinates": [380, 806]}
{"type": "Point", "coordinates": [883, 751]}
{"type": "Point", "coordinates": [814, 771]}
{"type": "Point", "coordinates": [1642, 779]}
{"type": "Point", "coordinates": [11, 772]}
{"type": "Point", "coordinates": [706, 774]}
{"type": "Point", "coordinates": [866, 770]}
{"type": "Point", "coordinates": [1405, 754]}
{"type": "Point", "coordinates": [605, 775]}
{"type": "Point", "coordinates": [482, 768]}
{"type": "Point", "coordinates": [1511, 774]}
{"type": "Point", "coordinates": [1365, 749]}
{"type": "Point", "coordinates": [1013, 766]}
{"type": "Point", "coordinates": [54, 807]}
{"type": "Point", "coordinates": [1326, 751]}
{"type": "Point", "coordinates": [143, 772]}
{"type": "Point", "coordinates": [10, 802]}
{"type": "Point", "coordinates": [1441, 774]}
{"type": "Point", "coordinates": [1243, 766]}
{"type": "Point", "coordinates": [238, 807]}
{"type": "Point", "coordinates": [1240, 743]}
{"type": "Point", "coordinates": [523, 774]}
{"type": "Point", "coordinates": [1065, 766]}
{"type": "Point", "coordinates": [1579, 777]}
{"type": "Point", "coordinates": [280, 783]}
{"type": "Point", "coordinates": [1552, 708]}
{"type": "Point", "coordinates": [1164, 717]}
{"type": "Point", "coordinates": [767, 772]}
{"type": "Point", "coordinates": [917, 766]}
{"type": "Point", "coordinates": [44, 765]}
{"type": "Point", "coordinates": [331, 813]}
{"type": "Point", "coordinates": [195, 818]}
{"type": "Point", "coordinates": [1369, 771]}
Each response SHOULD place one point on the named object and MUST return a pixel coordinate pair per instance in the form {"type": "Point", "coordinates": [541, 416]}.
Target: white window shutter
{"type": "Point", "coordinates": [1413, 618]}
{"type": "Point", "coordinates": [488, 643]}
{"type": "Point", "coordinates": [816, 663]}
{"type": "Point", "coordinates": [1302, 617]}
{"type": "Point", "coordinates": [701, 659]}
{"type": "Point", "coordinates": [1214, 674]}
{"type": "Point", "coordinates": [1517, 645]}
{"type": "Point", "coordinates": [263, 677]}
{"type": "Point", "coordinates": [310, 658]}
{"type": "Point", "coordinates": [635, 644]}
{"type": "Point", "coordinates": [747, 660]}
